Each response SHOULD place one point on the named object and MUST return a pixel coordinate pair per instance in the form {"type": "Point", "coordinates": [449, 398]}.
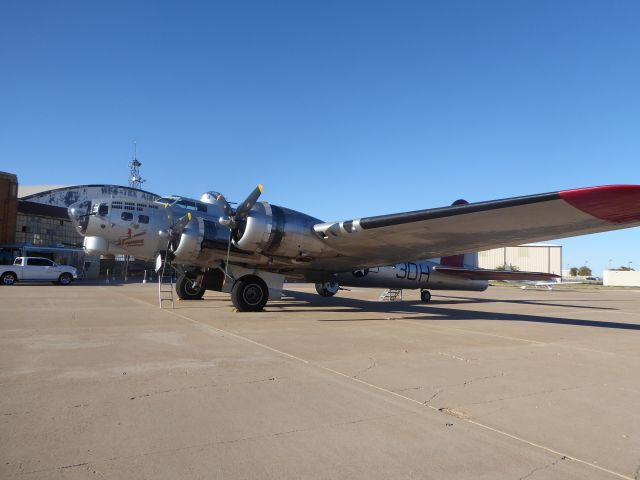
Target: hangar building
{"type": "Point", "coordinates": [531, 257]}
{"type": "Point", "coordinates": [34, 220]}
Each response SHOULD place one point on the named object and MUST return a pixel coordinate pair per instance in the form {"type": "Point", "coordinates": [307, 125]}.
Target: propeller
{"type": "Point", "coordinates": [172, 234]}
{"type": "Point", "coordinates": [175, 229]}
{"type": "Point", "coordinates": [236, 221]}
{"type": "Point", "coordinates": [243, 209]}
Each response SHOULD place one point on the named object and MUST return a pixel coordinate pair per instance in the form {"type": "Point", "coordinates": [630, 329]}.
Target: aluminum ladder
{"type": "Point", "coordinates": [165, 284]}
{"type": "Point", "coordinates": [391, 295]}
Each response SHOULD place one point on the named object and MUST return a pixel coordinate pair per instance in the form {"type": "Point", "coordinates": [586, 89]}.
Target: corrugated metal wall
{"type": "Point", "coordinates": [532, 258]}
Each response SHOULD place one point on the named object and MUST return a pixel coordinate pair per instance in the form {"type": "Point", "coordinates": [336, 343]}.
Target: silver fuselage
{"type": "Point", "coordinates": [273, 239]}
{"type": "Point", "coordinates": [408, 275]}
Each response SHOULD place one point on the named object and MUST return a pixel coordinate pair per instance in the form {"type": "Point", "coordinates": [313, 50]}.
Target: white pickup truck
{"type": "Point", "coordinates": [36, 269]}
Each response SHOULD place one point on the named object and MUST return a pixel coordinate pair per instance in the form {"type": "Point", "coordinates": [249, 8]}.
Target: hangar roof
{"type": "Point", "coordinates": [33, 208]}
{"type": "Point", "coordinates": [26, 190]}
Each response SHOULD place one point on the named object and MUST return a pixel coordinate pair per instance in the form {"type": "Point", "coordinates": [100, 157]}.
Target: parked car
{"type": "Point", "coordinates": [36, 269]}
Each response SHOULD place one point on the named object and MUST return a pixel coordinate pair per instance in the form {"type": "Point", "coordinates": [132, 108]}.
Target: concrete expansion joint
{"type": "Point", "coordinates": [87, 466]}
{"type": "Point", "coordinates": [551, 465]}
{"type": "Point", "coordinates": [373, 364]}
{"type": "Point", "coordinates": [417, 387]}
{"type": "Point", "coordinates": [468, 382]}
{"type": "Point", "coordinates": [428, 402]}
{"type": "Point", "coordinates": [196, 387]}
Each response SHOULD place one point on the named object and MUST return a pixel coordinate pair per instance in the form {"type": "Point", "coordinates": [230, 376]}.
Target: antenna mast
{"type": "Point", "coordinates": [135, 180]}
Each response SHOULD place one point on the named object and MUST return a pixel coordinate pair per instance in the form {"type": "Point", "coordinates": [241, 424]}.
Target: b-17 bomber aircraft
{"type": "Point", "coordinates": [251, 250]}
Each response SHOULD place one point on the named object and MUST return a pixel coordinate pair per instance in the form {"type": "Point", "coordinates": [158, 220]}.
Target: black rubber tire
{"type": "Point", "coordinates": [425, 296]}
{"type": "Point", "coordinates": [249, 294]}
{"type": "Point", "coordinates": [322, 291]}
{"type": "Point", "coordinates": [65, 278]}
{"type": "Point", "coordinates": [8, 278]}
{"type": "Point", "coordinates": [186, 289]}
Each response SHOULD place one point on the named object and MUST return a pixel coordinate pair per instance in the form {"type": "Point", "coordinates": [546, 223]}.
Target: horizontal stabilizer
{"type": "Point", "coordinates": [486, 274]}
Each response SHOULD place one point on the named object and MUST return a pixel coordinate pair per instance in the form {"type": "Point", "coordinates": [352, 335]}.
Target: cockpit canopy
{"type": "Point", "coordinates": [186, 203]}
{"type": "Point", "coordinates": [209, 198]}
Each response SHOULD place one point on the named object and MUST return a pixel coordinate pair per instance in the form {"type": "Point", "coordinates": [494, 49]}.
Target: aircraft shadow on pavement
{"type": "Point", "coordinates": [456, 300]}
{"type": "Point", "coordinates": [438, 313]}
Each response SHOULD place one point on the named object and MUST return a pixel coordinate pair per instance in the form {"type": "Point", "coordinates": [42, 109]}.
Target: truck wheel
{"type": "Point", "coordinates": [187, 289]}
{"type": "Point", "coordinates": [249, 294]}
{"type": "Point", "coordinates": [65, 279]}
{"type": "Point", "coordinates": [8, 278]}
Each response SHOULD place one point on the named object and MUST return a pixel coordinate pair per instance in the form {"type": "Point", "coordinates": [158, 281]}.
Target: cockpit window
{"type": "Point", "coordinates": [103, 209]}
{"type": "Point", "coordinates": [188, 204]}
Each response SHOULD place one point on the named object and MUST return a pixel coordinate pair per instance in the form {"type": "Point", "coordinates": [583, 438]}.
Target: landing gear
{"type": "Point", "coordinates": [425, 295]}
{"type": "Point", "coordinates": [189, 289]}
{"type": "Point", "coordinates": [327, 289]}
{"type": "Point", "coordinates": [249, 294]}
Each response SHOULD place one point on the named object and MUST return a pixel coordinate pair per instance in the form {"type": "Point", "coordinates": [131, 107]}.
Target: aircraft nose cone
{"type": "Point", "coordinates": [79, 215]}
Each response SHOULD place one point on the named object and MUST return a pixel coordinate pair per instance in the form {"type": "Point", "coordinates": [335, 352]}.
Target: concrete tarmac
{"type": "Point", "coordinates": [97, 382]}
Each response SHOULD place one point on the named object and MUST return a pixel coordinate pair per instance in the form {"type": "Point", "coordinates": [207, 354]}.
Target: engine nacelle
{"type": "Point", "coordinates": [200, 234]}
{"type": "Point", "coordinates": [268, 230]}
{"type": "Point", "coordinates": [253, 234]}
{"type": "Point", "coordinates": [279, 232]}
{"type": "Point", "coordinates": [190, 242]}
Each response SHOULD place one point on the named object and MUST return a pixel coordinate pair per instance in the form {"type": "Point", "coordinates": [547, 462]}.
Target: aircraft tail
{"type": "Point", "coordinates": [459, 261]}
{"type": "Point", "coordinates": [463, 260]}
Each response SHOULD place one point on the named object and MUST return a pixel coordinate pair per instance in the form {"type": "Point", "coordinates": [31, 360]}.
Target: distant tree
{"type": "Point", "coordinates": [513, 268]}
{"type": "Point", "coordinates": [584, 271]}
{"type": "Point", "coordinates": [625, 269]}
{"type": "Point", "coordinates": [573, 271]}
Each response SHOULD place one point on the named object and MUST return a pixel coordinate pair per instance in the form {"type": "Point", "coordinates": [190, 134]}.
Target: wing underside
{"type": "Point", "coordinates": [475, 227]}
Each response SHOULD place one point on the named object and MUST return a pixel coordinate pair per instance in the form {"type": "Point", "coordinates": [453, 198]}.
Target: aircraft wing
{"type": "Point", "coordinates": [473, 227]}
{"type": "Point", "coordinates": [486, 274]}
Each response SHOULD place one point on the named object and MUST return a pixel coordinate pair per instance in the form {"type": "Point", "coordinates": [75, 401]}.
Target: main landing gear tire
{"type": "Point", "coordinates": [327, 289]}
{"type": "Point", "coordinates": [249, 294]}
{"type": "Point", "coordinates": [8, 278]}
{"type": "Point", "coordinates": [425, 295]}
{"type": "Point", "coordinates": [188, 289]}
{"type": "Point", "coordinates": [65, 279]}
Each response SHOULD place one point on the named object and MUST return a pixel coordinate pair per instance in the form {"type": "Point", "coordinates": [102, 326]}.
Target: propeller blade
{"type": "Point", "coordinates": [243, 209]}
{"type": "Point", "coordinates": [180, 225]}
{"type": "Point", "coordinates": [176, 230]}
{"type": "Point", "coordinates": [169, 215]}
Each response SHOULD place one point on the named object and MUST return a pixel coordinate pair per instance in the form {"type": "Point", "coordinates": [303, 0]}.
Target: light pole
{"type": "Point", "coordinates": [610, 260]}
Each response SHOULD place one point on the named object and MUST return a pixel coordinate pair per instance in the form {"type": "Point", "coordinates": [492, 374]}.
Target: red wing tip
{"type": "Point", "coordinates": [612, 203]}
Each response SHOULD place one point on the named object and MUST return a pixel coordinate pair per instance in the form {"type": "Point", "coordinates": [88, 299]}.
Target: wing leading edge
{"type": "Point", "coordinates": [479, 226]}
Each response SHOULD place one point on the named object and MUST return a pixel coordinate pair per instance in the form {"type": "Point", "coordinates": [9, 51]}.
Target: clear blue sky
{"type": "Point", "coordinates": [341, 109]}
